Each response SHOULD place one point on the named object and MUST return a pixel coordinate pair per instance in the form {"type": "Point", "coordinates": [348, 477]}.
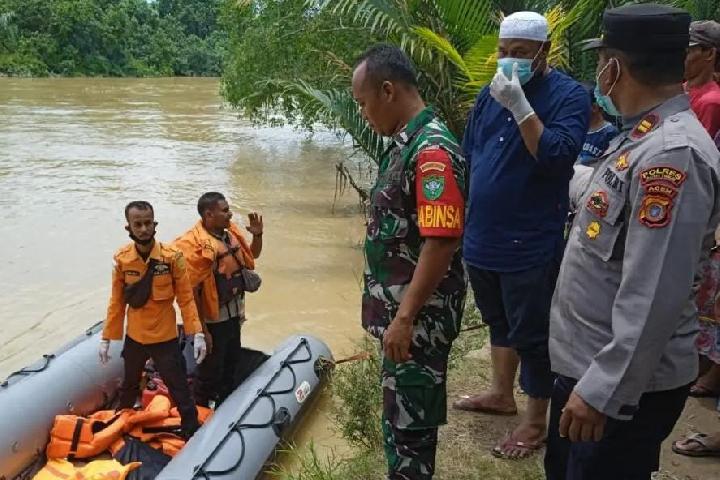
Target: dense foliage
{"type": "Point", "coordinates": [295, 57]}
{"type": "Point", "coordinates": [111, 37]}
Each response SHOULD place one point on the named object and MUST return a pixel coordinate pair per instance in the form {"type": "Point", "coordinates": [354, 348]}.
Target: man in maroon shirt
{"type": "Point", "coordinates": [699, 74]}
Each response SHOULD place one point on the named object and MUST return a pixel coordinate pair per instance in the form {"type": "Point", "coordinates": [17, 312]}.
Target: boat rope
{"type": "Point", "coordinates": [279, 417]}
{"type": "Point", "coordinates": [29, 371]}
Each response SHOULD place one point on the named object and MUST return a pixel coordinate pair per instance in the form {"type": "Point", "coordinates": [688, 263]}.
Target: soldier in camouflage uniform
{"type": "Point", "coordinates": [415, 281]}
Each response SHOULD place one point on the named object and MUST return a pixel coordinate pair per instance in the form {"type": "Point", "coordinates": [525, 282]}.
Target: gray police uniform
{"type": "Point", "coordinates": [623, 320]}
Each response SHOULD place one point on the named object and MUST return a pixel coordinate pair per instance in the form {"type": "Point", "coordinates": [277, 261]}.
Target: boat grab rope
{"type": "Point", "coordinates": [29, 371]}
{"type": "Point", "coordinates": [47, 358]}
{"type": "Point", "coordinates": [278, 417]}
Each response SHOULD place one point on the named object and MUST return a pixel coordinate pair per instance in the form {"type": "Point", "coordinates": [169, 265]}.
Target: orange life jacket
{"type": "Point", "coordinates": [200, 250]}
{"type": "Point", "coordinates": [84, 437]}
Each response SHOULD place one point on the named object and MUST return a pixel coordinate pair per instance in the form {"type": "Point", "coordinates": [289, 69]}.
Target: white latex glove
{"type": "Point", "coordinates": [509, 94]}
{"type": "Point", "coordinates": [199, 347]}
{"type": "Point", "coordinates": [103, 351]}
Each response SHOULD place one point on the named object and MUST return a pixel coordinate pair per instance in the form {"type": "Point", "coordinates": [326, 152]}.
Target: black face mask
{"type": "Point", "coordinates": [138, 241]}
{"type": "Point", "coordinates": [142, 242]}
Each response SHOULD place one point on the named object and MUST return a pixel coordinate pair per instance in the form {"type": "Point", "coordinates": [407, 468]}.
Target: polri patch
{"type": "Point", "coordinates": [655, 211]}
{"type": "Point", "coordinates": [593, 230]}
{"type": "Point", "coordinates": [670, 175]}
{"type": "Point", "coordinates": [645, 126]}
{"type": "Point", "coordinates": [433, 186]}
{"type": "Point", "coordinates": [598, 203]}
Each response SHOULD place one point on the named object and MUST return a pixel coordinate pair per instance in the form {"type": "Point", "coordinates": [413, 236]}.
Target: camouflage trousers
{"type": "Point", "coordinates": [414, 405]}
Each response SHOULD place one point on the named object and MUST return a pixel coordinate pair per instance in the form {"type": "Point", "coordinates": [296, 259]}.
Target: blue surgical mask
{"type": "Point", "coordinates": [604, 101]}
{"type": "Point", "coordinates": [524, 71]}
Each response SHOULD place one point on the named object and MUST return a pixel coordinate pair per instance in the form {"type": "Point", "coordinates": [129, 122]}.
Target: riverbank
{"type": "Point", "coordinates": [466, 441]}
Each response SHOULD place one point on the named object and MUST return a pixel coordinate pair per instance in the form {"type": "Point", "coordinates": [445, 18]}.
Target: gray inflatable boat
{"type": "Point", "coordinates": [276, 389]}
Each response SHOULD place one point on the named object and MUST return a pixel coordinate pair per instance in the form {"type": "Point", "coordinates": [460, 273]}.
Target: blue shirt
{"type": "Point", "coordinates": [518, 204]}
{"type": "Point", "coordinates": [596, 142]}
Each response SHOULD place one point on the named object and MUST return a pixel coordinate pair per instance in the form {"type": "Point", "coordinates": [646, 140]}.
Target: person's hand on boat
{"type": "Point", "coordinates": [255, 226]}
{"type": "Point", "coordinates": [396, 340]}
{"type": "Point", "coordinates": [103, 351]}
{"type": "Point", "coordinates": [200, 347]}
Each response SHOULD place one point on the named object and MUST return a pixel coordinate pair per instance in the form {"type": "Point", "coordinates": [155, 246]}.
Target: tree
{"type": "Point", "coordinates": [451, 41]}
{"type": "Point", "coordinates": [110, 37]}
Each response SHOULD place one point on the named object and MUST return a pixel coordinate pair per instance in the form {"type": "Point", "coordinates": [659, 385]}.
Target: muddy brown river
{"type": "Point", "coordinates": [73, 152]}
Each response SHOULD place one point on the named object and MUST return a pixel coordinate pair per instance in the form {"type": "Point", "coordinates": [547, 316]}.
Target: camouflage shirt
{"type": "Point", "coordinates": [420, 192]}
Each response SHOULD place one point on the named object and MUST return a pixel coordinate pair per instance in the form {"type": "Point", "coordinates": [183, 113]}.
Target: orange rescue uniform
{"type": "Point", "coordinates": [201, 250]}
{"type": "Point", "coordinates": [155, 321]}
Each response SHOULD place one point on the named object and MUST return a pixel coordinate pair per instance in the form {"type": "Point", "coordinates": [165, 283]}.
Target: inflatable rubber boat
{"type": "Point", "coordinates": [274, 391]}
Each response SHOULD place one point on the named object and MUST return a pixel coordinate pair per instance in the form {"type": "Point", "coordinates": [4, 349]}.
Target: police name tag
{"type": "Point", "coordinates": [302, 392]}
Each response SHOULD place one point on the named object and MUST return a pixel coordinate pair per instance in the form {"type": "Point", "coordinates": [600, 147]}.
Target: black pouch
{"type": "Point", "coordinates": [251, 280]}
{"type": "Point", "coordinates": [137, 294]}
{"type": "Point", "coordinates": [228, 288]}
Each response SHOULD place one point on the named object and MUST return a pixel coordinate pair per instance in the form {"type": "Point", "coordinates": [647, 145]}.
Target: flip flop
{"type": "Point", "coordinates": [528, 448]}
{"type": "Point", "coordinates": [466, 405]}
{"type": "Point", "coordinates": [700, 391]}
{"type": "Point", "coordinates": [698, 440]}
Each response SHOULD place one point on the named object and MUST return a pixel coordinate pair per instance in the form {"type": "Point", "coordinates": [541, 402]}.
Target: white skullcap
{"type": "Point", "coordinates": [525, 26]}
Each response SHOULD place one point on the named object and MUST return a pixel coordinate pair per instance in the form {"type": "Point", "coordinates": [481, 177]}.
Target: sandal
{"type": "Point", "coordinates": [695, 445]}
{"type": "Point", "coordinates": [701, 391]}
{"type": "Point", "coordinates": [466, 405]}
{"type": "Point", "coordinates": [527, 449]}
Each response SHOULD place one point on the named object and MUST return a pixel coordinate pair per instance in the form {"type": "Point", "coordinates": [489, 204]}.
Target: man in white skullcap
{"type": "Point", "coordinates": [521, 141]}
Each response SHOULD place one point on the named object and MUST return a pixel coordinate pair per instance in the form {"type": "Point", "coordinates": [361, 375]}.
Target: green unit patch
{"type": "Point", "coordinates": [433, 186]}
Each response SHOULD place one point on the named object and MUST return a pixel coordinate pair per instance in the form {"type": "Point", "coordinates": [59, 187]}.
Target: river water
{"type": "Point", "coordinates": [73, 152]}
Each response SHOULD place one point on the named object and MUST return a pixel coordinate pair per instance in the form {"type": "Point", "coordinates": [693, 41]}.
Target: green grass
{"type": "Point", "coordinates": [357, 395]}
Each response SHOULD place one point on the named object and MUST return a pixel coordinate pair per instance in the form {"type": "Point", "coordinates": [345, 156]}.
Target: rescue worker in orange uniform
{"type": "Point", "coordinates": [147, 277]}
{"type": "Point", "coordinates": [216, 253]}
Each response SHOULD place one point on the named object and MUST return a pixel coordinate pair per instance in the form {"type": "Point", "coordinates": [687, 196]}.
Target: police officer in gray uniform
{"type": "Point", "coordinates": [623, 322]}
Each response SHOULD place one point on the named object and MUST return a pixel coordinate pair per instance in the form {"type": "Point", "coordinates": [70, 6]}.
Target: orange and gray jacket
{"type": "Point", "coordinates": [202, 251]}
{"type": "Point", "coordinates": [155, 321]}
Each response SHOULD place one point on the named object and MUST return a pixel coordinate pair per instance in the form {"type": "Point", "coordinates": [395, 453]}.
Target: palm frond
{"type": "Point", "coordinates": [481, 60]}
{"type": "Point", "coordinates": [340, 110]}
{"type": "Point", "coordinates": [444, 47]}
{"type": "Point", "coordinates": [466, 21]}
{"type": "Point", "coordinates": [381, 17]}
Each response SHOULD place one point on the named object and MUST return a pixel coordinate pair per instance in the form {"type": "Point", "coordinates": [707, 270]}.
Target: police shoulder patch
{"type": "Point", "coordinates": [665, 174]}
{"type": "Point", "coordinates": [655, 211]}
{"type": "Point", "coordinates": [645, 126]}
{"type": "Point", "coordinates": [661, 184]}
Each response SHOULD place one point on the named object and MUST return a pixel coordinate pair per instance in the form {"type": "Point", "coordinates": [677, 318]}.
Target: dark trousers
{"type": "Point", "coordinates": [516, 307]}
{"type": "Point", "coordinates": [216, 374]}
{"type": "Point", "coordinates": [629, 450]}
{"type": "Point", "coordinates": [170, 365]}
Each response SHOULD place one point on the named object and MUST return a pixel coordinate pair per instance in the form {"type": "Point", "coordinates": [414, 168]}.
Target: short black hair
{"type": "Point", "coordinates": [384, 62]}
{"type": "Point", "coordinates": [590, 89]}
{"type": "Point", "coordinates": [209, 200]}
{"type": "Point", "coordinates": [654, 68]}
{"type": "Point", "coordinates": [138, 205]}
